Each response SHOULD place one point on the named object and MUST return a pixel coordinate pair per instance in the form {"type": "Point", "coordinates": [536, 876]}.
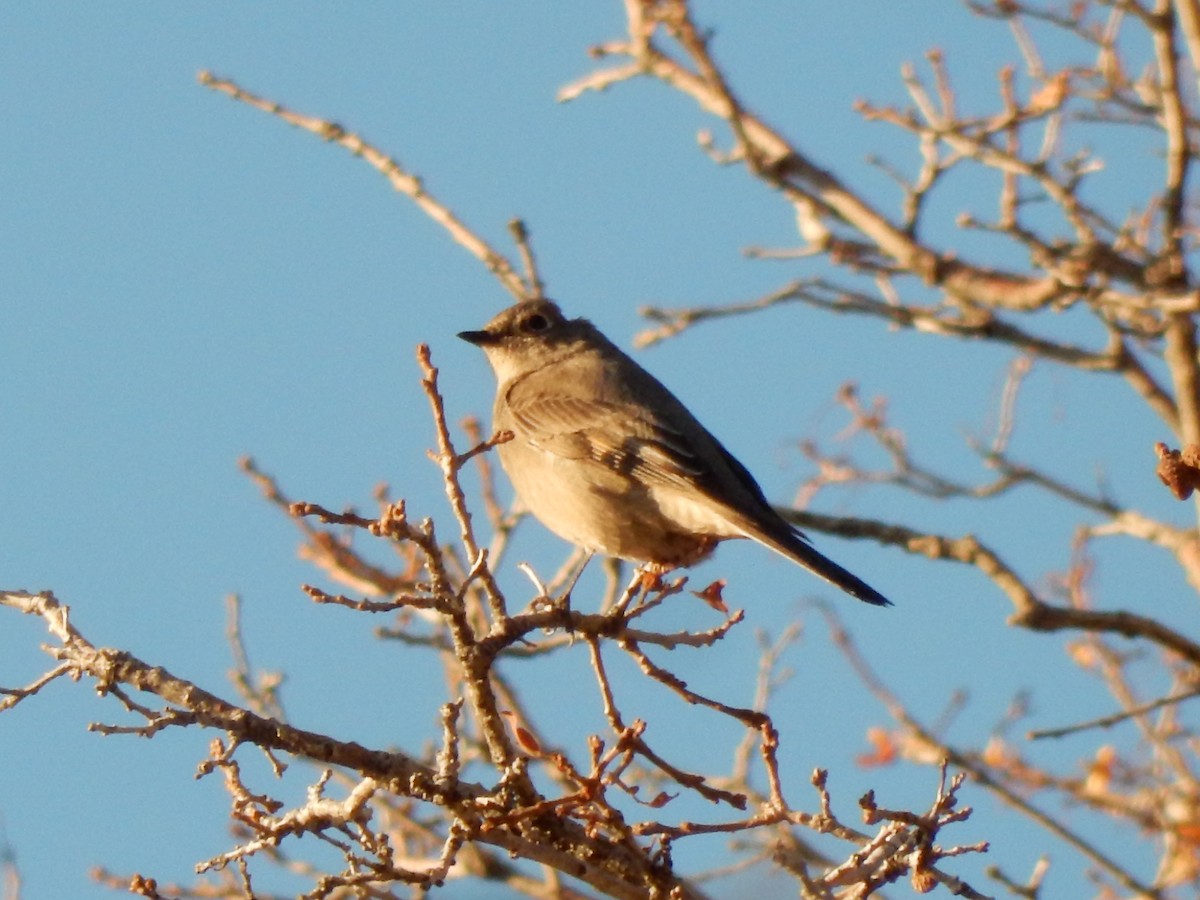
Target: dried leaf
{"type": "Point", "coordinates": [1050, 95]}
{"type": "Point", "coordinates": [923, 881]}
{"type": "Point", "coordinates": [1100, 770]}
{"type": "Point", "coordinates": [998, 755]}
{"type": "Point", "coordinates": [883, 750]}
{"type": "Point", "coordinates": [1179, 470]}
{"type": "Point", "coordinates": [712, 595]}
{"type": "Point", "coordinates": [661, 800]}
{"type": "Point", "coordinates": [524, 737]}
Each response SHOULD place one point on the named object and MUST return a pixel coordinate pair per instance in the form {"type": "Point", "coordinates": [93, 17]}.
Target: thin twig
{"type": "Point", "coordinates": [402, 181]}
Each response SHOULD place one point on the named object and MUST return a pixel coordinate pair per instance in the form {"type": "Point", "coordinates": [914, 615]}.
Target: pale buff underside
{"type": "Point", "coordinates": [615, 516]}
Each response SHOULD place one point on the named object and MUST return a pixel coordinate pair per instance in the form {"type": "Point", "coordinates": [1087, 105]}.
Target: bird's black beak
{"type": "Point", "coordinates": [478, 338]}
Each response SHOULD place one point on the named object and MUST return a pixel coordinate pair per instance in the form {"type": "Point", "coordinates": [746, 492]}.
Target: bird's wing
{"type": "Point", "coordinates": [657, 440]}
{"type": "Point", "coordinates": [618, 436]}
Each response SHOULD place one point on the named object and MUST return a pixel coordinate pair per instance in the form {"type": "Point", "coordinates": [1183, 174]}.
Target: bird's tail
{"type": "Point", "coordinates": [795, 547]}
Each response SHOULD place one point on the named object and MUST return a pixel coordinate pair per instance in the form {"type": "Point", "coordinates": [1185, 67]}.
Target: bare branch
{"type": "Point", "coordinates": [402, 181]}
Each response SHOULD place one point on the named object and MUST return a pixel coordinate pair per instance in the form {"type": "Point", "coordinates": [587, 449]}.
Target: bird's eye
{"type": "Point", "coordinates": [535, 323]}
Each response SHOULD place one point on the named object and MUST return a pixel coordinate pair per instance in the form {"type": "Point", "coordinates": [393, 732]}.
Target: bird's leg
{"type": "Point", "coordinates": [543, 595]}
{"type": "Point", "coordinates": [563, 601]}
{"type": "Point", "coordinates": [652, 577]}
{"type": "Point", "coordinates": [646, 578]}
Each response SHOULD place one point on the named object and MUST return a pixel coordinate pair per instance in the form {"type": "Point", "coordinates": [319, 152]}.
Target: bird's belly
{"type": "Point", "coordinates": [610, 513]}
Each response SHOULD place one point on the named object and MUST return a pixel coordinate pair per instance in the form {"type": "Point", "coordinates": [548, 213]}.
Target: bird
{"type": "Point", "coordinates": [607, 458]}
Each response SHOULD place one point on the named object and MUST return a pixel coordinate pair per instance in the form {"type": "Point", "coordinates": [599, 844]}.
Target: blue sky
{"type": "Point", "coordinates": [186, 280]}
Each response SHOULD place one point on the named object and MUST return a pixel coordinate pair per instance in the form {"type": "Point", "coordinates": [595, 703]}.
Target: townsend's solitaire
{"type": "Point", "coordinates": [607, 458]}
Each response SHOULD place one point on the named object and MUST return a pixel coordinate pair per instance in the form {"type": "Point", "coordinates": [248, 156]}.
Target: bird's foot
{"type": "Point", "coordinates": [652, 578]}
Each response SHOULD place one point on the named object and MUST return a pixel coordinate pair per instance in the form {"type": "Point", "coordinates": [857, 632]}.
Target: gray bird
{"type": "Point", "coordinates": [607, 458]}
